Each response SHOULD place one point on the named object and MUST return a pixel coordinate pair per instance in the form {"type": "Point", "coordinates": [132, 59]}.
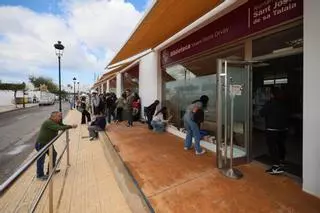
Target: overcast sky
{"type": "Point", "coordinates": [91, 30]}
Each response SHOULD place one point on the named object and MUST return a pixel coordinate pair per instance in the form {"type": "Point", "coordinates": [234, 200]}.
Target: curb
{"type": "Point", "coordinates": [17, 109]}
{"type": "Point", "coordinates": [129, 186]}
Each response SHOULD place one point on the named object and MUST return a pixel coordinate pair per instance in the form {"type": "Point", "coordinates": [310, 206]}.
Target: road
{"type": "Point", "coordinates": [18, 132]}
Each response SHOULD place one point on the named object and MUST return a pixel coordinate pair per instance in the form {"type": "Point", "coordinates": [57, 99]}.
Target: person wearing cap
{"type": "Point", "coordinates": [95, 101]}
{"type": "Point", "coordinates": [193, 130]}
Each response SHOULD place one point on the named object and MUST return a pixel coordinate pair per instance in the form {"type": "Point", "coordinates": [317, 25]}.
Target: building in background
{"type": "Point", "coordinates": [251, 44]}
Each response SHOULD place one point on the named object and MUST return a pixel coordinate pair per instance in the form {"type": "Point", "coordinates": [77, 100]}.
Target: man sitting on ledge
{"type": "Point", "coordinates": [99, 124]}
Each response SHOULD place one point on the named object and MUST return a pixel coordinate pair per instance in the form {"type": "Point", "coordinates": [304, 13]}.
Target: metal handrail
{"type": "Point", "coordinates": [37, 200]}
{"type": "Point", "coordinates": [15, 176]}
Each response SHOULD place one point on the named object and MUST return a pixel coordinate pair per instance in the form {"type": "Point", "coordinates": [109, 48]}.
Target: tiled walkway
{"type": "Point", "coordinates": [88, 185]}
{"type": "Point", "coordinates": [177, 181]}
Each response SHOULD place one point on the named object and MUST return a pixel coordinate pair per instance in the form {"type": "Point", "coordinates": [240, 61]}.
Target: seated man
{"type": "Point", "coordinates": [99, 124]}
{"type": "Point", "coordinates": [159, 121]}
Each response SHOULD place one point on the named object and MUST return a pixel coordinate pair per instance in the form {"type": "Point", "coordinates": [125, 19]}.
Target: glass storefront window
{"type": "Point", "coordinates": [130, 79]}
{"type": "Point", "coordinates": [113, 85]}
{"type": "Point", "coordinates": [278, 42]}
{"type": "Point", "coordinates": [185, 82]}
{"type": "Point", "coordinates": [180, 93]}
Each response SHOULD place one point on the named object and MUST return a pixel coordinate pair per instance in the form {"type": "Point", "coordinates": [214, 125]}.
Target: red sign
{"type": "Point", "coordinates": [252, 17]}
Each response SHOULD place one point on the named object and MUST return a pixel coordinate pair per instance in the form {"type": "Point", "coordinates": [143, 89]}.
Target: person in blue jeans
{"type": "Point", "coordinates": [48, 131]}
{"type": "Point", "coordinates": [192, 128]}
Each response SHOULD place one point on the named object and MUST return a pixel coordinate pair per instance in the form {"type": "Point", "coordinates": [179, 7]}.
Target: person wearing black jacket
{"type": "Point", "coordinates": [150, 110]}
{"type": "Point", "coordinates": [111, 106]}
{"type": "Point", "coordinates": [85, 113]}
{"type": "Point", "coordinates": [276, 116]}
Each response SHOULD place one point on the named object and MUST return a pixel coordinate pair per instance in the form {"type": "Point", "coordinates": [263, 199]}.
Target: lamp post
{"type": "Point", "coordinates": [59, 52]}
{"type": "Point", "coordinates": [78, 88]}
{"type": "Point", "coordinates": [74, 92]}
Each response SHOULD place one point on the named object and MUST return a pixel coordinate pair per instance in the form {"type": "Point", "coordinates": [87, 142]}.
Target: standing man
{"type": "Point", "coordinates": [95, 101]}
{"type": "Point", "coordinates": [130, 98]}
{"type": "Point", "coordinates": [49, 130]}
{"type": "Point", "coordinates": [276, 115]}
{"type": "Point", "coordinates": [110, 103]}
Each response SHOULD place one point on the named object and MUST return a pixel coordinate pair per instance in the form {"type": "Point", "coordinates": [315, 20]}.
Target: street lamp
{"type": "Point", "coordinates": [78, 88]}
{"type": "Point", "coordinates": [74, 92]}
{"type": "Point", "coordinates": [59, 52]}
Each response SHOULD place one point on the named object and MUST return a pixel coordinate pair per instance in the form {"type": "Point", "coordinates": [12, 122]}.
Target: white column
{"type": "Point", "coordinates": [149, 79]}
{"type": "Point", "coordinates": [108, 85]}
{"type": "Point", "coordinates": [102, 88]}
{"type": "Point", "coordinates": [311, 101]}
{"type": "Point", "coordinates": [119, 84]}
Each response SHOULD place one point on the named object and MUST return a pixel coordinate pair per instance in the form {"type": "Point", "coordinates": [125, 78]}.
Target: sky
{"type": "Point", "coordinates": [92, 32]}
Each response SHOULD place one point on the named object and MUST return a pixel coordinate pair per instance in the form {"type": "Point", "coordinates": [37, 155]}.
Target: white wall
{"type": "Point", "coordinates": [102, 88]}
{"type": "Point", "coordinates": [311, 103]}
{"type": "Point", "coordinates": [149, 79]}
{"type": "Point", "coordinates": [119, 87]}
{"type": "Point", "coordinates": [6, 98]}
{"type": "Point", "coordinates": [108, 86]}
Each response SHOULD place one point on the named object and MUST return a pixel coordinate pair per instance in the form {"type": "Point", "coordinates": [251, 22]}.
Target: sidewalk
{"type": "Point", "coordinates": [8, 108]}
{"type": "Point", "coordinates": [88, 185]}
{"type": "Point", "coordinates": [175, 180]}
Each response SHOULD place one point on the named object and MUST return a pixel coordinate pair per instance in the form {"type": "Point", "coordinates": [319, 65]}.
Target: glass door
{"type": "Point", "coordinates": [233, 111]}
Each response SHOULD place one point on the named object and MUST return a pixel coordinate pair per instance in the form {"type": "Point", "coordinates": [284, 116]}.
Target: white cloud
{"type": "Point", "coordinates": [91, 30]}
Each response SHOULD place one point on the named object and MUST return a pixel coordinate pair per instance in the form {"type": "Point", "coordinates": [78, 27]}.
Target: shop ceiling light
{"type": "Point", "coordinates": [282, 50]}
{"type": "Point", "coordinates": [295, 43]}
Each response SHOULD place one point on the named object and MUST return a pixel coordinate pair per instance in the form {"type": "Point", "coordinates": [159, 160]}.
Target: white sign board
{"type": "Point", "coordinates": [236, 90]}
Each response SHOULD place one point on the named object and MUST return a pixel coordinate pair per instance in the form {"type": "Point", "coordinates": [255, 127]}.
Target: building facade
{"type": "Point", "coordinates": [235, 54]}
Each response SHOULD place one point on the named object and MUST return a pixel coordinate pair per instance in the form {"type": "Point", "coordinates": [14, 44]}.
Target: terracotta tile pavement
{"type": "Point", "coordinates": [175, 180]}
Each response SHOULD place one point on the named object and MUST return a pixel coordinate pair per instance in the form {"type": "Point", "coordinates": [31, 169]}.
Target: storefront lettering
{"type": "Point", "coordinates": [194, 44]}
{"type": "Point", "coordinates": [216, 34]}
{"type": "Point", "coordinates": [221, 32]}
{"type": "Point", "coordinates": [247, 19]}
{"type": "Point", "coordinates": [180, 50]}
{"type": "Point", "coordinates": [261, 12]}
{"type": "Point", "coordinates": [269, 8]}
{"type": "Point", "coordinates": [208, 38]}
{"type": "Point", "coordinates": [281, 9]}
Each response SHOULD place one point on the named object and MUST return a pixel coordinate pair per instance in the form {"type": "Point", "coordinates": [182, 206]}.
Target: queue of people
{"type": "Point", "coordinates": [107, 108]}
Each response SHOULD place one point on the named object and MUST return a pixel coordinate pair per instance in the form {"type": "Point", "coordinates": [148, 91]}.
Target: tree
{"type": "Point", "coordinates": [13, 87]}
{"type": "Point", "coordinates": [37, 81]}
